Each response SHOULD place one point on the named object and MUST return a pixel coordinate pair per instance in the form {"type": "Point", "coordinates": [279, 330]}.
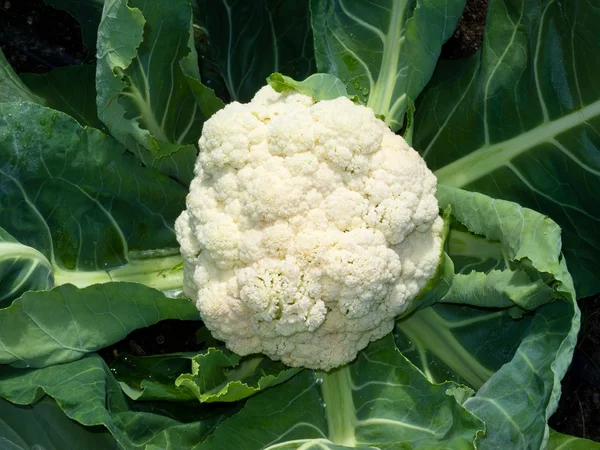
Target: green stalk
{"type": "Point", "coordinates": [339, 406]}
{"type": "Point", "coordinates": [163, 273]}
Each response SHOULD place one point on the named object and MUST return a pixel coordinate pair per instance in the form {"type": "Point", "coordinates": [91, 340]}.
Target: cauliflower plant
{"type": "Point", "coordinates": [309, 227]}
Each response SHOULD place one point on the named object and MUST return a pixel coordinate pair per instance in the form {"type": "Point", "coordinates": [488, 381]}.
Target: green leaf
{"type": "Point", "coordinates": [320, 86]}
{"type": "Point", "coordinates": [88, 13]}
{"type": "Point", "coordinates": [22, 268]}
{"type": "Point", "coordinates": [409, 128]}
{"type": "Point", "coordinates": [386, 51]}
{"type": "Point", "coordinates": [520, 120]}
{"type": "Point", "coordinates": [251, 40]}
{"type": "Point", "coordinates": [210, 73]}
{"type": "Point", "coordinates": [378, 401]}
{"type": "Point", "coordinates": [73, 194]}
{"type": "Point", "coordinates": [42, 328]}
{"type": "Point", "coordinates": [474, 252]}
{"type": "Point", "coordinates": [518, 400]}
{"type": "Point", "coordinates": [560, 441]}
{"type": "Point", "coordinates": [530, 243]}
{"type": "Point", "coordinates": [153, 377]}
{"type": "Point", "coordinates": [222, 376]}
{"type": "Point", "coordinates": [517, 365]}
{"type": "Point", "coordinates": [212, 376]}
{"type": "Point", "coordinates": [12, 88]}
{"type": "Point", "coordinates": [69, 89]}
{"type": "Point", "coordinates": [148, 82]}
{"type": "Point", "coordinates": [43, 425]}
{"type": "Point", "coordinates": [451, 342]}
{"type": "Point", "coordinates": [87, 392]}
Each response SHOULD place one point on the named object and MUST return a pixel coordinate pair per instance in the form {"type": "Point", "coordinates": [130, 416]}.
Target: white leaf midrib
{"type": "Point", "coordinates": [382, 92]}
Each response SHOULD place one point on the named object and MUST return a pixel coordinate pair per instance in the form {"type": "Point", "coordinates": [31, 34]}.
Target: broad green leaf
{"type": "Point", "coordinates": [223, 376]}
{"type": "Point", "coordinates": [148, 83]}
{"type": "Point", "coordinates": [88, 13]}
{"type": "Point", "coordinates": [69, 89]}
{"type": "Point", "coordinates": [43, 425]}
{"type": "Point", "coordinates": [520, 120]}
{"type": "Point", "coordinates": [378, 401]}
{"type": "Point", "coordinates": [251, 40]}
{"type": "Point", "coordinates": [385, 51]}
{"type": "Point", "coordinates": [12, 88]}
{"type": "Point", "coordinates": [73, 194]}
{"type": "Point", "coordinates": [560, 441]}
{"type": "Point", "coordinates": [320, 86]}
{"type": "Point", "coordinates": [87, 392]}
{"type": "Point", "coordinates": [516, 363]}
{"type": "Point", "coordinates": [22, 268]}
{"type": "Point", "coordinates": [41, 328]}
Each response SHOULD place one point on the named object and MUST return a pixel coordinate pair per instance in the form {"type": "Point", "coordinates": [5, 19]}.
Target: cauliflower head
{"type": "Point", "coordinates": [309, 227]}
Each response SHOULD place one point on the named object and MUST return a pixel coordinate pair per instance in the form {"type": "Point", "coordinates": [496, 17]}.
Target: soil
{"type": "Point", "coordinates": [37, 38]}
{"type": "Point", "coordinates": [468, 36]}
{"type": "Point", "coordinates": [167, 336]}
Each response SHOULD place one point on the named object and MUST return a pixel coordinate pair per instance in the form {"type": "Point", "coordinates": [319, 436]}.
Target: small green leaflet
{"type": "Point", "coordinates": [320, 86]}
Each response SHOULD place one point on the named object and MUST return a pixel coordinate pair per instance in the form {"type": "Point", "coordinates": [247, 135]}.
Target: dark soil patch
{"type": "Point", "coordinates": [468, 36]}
{"type": "Point", "coordinates": [37, 38]}
{"type": "Point", "coordinates": [168, 336]}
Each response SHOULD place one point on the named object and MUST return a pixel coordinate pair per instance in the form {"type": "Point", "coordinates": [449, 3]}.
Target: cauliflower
{"type": "Point", "coordinates": [309, 227]}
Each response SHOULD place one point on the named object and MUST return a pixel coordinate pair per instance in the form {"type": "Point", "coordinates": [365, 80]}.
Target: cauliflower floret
{"type": "Point", "coordinates": [309, 227]}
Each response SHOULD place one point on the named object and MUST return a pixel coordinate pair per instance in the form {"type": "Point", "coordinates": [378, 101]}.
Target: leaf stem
{"type": "Point", "coordinates": [163, 273]}
{"type": "Point", "coordinates": [382, 93]}
{"type": "Point", "coordinates": [489, 158]}
{"type": "Point", "coordinates": [339, 406]}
